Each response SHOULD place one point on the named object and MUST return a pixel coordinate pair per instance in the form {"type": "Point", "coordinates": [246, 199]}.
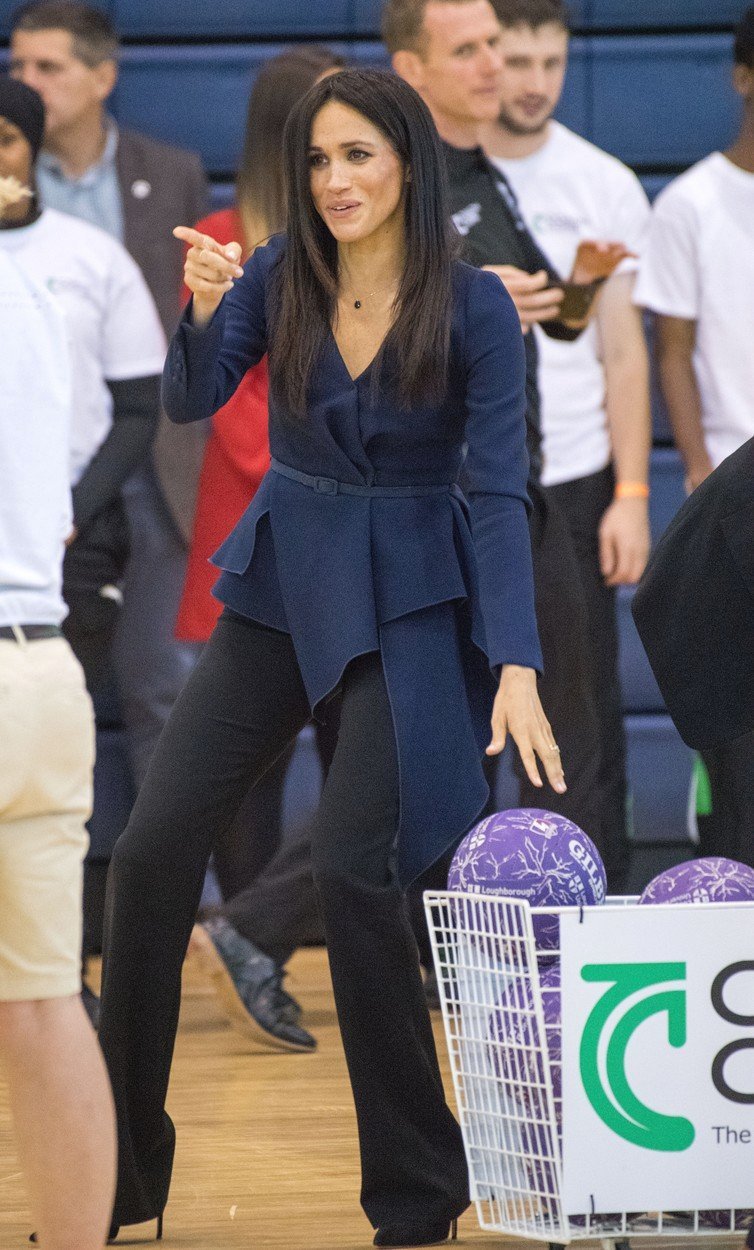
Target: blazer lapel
{"type": "Point", "coordinates": [135, 189]}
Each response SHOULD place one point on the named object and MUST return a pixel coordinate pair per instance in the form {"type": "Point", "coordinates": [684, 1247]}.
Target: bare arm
{"type": "Point", "coordinates": [676, 339]}
{"type": "Point", "coordinates": [624, 530]}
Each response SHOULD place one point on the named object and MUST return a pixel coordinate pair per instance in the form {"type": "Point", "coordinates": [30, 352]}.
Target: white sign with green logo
{"type": "Point", "coordinates": [658, 1058]}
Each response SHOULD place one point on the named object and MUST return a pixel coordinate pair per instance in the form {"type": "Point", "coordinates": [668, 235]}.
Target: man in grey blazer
{"type": "Point", "coordinates": [136, 189]}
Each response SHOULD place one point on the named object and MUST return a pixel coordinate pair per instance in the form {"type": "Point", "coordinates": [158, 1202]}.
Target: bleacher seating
{"type": "Point", "coordinates": [661, 100]}
{"type": "Point", "coordinates": [617, 88]}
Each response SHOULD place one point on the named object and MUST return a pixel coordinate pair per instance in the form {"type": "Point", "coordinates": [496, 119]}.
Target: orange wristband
{"type": "Point", "coordinates": [631, 490]}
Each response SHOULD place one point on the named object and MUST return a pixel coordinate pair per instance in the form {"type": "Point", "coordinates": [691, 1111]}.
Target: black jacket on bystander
{"type": "Point", "coordinates": [694, 608]}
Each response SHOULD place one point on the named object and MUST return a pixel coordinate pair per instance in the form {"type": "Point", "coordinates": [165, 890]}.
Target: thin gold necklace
{"type": "Point", "coordinates": [357, 303]}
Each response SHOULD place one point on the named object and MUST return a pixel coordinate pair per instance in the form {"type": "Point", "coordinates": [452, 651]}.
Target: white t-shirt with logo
{"type": "Point", "coordinates": [114, 332]}
{"type": "Point", "coordinates": [570, 191]}
{"type": "Point", "coordinates": [699, 265]}
{"type": "Point", "coordinates": [35, 412]}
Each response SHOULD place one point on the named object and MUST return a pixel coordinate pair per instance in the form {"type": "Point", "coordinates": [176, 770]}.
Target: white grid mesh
{"type": "Point", "coordinates": [501, 1011]}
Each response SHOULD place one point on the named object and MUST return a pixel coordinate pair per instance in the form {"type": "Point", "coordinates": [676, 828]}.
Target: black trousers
{"type": "Point", "coordinates": [582, 503]}
{"type": "Point", "coordinates": [729, 829]}
{"type": "Point", "coordinates": [243, 705]}
{"type": "Point", "coordinates": [275, 908]}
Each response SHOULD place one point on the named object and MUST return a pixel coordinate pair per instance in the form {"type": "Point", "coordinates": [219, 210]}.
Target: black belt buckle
{"type": "Point", "coordinates": [326, 485]}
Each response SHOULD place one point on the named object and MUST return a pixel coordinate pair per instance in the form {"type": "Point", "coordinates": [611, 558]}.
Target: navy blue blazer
{"type": "Point", "coordinates": [440, 583]}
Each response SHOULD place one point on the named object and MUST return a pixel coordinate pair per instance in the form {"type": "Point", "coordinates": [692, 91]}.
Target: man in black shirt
{"type": "Point", "coordinates": [449, 51]}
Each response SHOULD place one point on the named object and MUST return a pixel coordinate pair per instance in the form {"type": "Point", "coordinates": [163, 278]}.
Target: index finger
{"type": "Point", "coordinates": [195, 238]}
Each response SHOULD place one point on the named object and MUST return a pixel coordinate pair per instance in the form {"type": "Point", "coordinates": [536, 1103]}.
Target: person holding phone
{"type": "Point", "coordinates": [589, 215]}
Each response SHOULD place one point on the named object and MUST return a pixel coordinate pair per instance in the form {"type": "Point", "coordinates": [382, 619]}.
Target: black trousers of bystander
{"type": "Point", "coordinates": [582, 503]}
{"type": "Point", "coordinates": [729, 829]}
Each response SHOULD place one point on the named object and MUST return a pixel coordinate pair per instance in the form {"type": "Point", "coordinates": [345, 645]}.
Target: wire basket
{"type": "Point", "coordinates": [501, 1011]}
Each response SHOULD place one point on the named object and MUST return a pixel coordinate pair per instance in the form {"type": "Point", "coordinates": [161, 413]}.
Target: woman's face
{"type": "Point", "coordinates": [357, 179]}
{"type": "Point", "coordinates": [15, 153]}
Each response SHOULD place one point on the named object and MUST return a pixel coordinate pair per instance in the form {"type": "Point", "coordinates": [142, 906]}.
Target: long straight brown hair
{"type": "Point", "coordinates": [260, 182]}
{"type": "Point", "coordinates": [418, 342]}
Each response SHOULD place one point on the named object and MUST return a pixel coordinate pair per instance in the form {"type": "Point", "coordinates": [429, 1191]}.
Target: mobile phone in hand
{"type": "Point", "coordinates": [596, 261]}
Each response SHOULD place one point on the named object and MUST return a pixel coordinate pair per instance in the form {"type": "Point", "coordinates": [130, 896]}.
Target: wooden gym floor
{"type": "Point", "coordinates": [267, 1153]}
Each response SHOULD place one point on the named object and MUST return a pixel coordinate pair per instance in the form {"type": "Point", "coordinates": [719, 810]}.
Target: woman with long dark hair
{"type": "Point", "coordinates": [359, 568]}
{"type": "Point", "coordinates": [245, 942]}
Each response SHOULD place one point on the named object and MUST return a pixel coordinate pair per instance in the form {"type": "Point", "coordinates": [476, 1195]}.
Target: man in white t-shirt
{"type": "Point", "coordinates": [595, 392]}
{"type": "Point", "coordinates": [117, 349]}
{"type": "Point", "coordinates": [697, 277]}
{"type": "Point", "coordinates": [59, 1093]}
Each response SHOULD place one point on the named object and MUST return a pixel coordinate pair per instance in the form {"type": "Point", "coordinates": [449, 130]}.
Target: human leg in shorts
{"type": "Point", "coordinates": [59, 1094]}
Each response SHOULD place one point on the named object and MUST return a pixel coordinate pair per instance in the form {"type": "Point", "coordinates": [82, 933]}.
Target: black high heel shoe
{"type": "Point", "coordinates": [114, 1230]}
{"type": "Point", "coordinates": [429, 1235]}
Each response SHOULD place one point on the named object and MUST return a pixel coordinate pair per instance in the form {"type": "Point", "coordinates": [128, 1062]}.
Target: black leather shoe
{"type": "Point", "coordinates": [414, 1235]}
{"type": "Point", "coordinates": [250, 985]}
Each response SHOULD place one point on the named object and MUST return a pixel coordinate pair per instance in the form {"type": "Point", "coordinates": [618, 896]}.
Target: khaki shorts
{"type": "Point", "coordinates": [46, 761]}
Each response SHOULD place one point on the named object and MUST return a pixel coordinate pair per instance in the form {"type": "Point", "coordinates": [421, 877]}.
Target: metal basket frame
{"type": "Point", "coordinates": [506, 1081]}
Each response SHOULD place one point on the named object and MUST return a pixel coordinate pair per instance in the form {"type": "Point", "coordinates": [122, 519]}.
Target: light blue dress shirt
{"type": "Point", "coordinates": [94, 197]}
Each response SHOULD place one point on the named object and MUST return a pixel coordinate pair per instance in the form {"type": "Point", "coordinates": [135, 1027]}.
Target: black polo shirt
{"type": "Point", "coordinates": [493, 232]}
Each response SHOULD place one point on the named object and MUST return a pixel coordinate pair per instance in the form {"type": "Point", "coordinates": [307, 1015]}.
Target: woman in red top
{"type": "Point", "coordinates": [236, 459]}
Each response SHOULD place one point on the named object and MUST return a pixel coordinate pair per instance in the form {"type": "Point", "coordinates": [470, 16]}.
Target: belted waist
{"type": "Point", "coordinates": [331, 486]}
{"type": "Point", "coordinates": [32, 633]}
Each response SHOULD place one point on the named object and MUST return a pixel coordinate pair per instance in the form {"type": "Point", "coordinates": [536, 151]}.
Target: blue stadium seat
{"type": "Point", "coordinates": [640, 690]}
{"type": "Point", "coordinates": [371, 55]}
{"type": "Point", "coordinates": [195, 97]}
{"type": "Point", "coordinates": [365, 15]}
{"type": "Point", "coordinates": [222, 195]}
{"type": "Point", "coordinates": [662, 100]}
{"type": "Point", "coordinates": [659, 775]}
{"type": "Point", "coordinates": [573, 109]}
{"type": "Point", "coordinates": [666, 480]}
{"type": "Point", "coordinates": [637, 14]}
{"type": "Point", "coordinates": [654, 183]}
{"type": "Point", "coordinates": [661, 431]}
{"type": "Point", "coordinates": [223, 19]}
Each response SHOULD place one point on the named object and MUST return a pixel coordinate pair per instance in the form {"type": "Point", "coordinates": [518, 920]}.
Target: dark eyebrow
{"type": "Point", "coordinates": [350, 143]}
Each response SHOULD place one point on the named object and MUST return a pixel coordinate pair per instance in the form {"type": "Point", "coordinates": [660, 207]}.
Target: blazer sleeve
{"type": "Point", "coordinates": [205, 366]}
{"type": "Point", "coordinates": [496, 471]}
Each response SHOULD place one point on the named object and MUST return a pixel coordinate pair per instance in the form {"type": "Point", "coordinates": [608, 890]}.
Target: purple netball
{"type": "Point", "coordinates": [710, 880]}
{"type": "Point", "coordinates": [519, 1059]}
{"type": "Point", "coordinates": [721, 1219]}
{"type": "Point", "coordinates": [527, 853]}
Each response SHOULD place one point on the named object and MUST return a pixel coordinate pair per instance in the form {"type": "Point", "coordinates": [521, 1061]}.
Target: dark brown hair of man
{"type": "Point", "coordinates": [743, 48]}
{"type": "Point", "coordinates": [93, 34]}
{"type": "Point", "coordinates": [403, 24]}
{"type": "Point", "coordinates": [531, 13]}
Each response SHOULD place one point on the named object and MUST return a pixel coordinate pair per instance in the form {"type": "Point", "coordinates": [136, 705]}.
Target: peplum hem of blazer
{"type": "Point", "coordinates": [439, 583]}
